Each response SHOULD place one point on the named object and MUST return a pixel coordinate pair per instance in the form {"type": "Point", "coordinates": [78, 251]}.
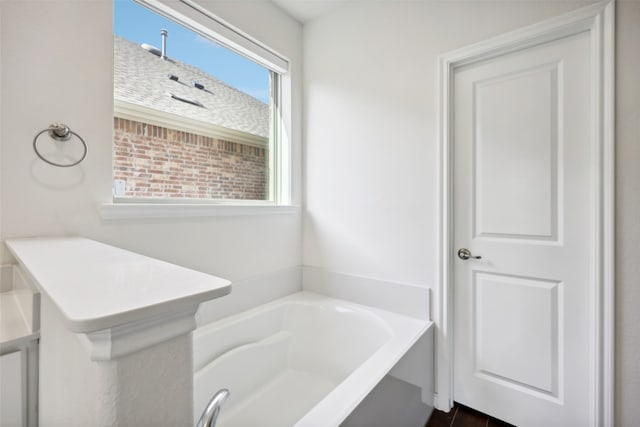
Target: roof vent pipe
{"type": "Point", "coordinates": [164, 34]}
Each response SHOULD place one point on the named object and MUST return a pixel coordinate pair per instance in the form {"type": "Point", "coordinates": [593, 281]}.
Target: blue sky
{"type": "Point", "coordinates": [140, 25]}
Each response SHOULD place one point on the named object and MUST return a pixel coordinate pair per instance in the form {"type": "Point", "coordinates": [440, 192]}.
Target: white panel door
{"type": "Point", "coordinates": [521, 201]}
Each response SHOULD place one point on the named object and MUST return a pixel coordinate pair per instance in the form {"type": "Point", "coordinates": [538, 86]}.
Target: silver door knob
{"type": "Point", "coordinates": [464, 253]}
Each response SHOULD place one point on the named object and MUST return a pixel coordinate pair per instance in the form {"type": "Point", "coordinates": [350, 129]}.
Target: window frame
{"type": "Point", "coordinates": [279, 192]}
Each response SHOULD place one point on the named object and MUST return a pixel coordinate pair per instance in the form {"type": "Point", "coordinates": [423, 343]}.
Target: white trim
{"type": "Point", "coordinates": [129, 111]}
{"type": "Point", "coordinates": [280, 153]}
{"type": "Point", "coordinates": [118, 341]}
{"type": "Point", "coordinates": [194, 16]}
{"type": "Point", "coordinates": [191, 14]}
{"type": "Point", "coordinates": [608, 331]}
{"type": "Point", "coordinates": [143, 209]}
{"type": "Point", "coordinates": [598, 20]}
{"type": "Point", "coordinates": [442, 313]}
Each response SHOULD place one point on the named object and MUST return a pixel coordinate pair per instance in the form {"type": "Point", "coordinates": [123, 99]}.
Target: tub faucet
{"type": "Point", "coordinates": [211, 412]}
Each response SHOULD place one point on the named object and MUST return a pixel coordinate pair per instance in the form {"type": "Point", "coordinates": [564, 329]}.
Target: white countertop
{"type": "Point", "coordinates": [97, 286]}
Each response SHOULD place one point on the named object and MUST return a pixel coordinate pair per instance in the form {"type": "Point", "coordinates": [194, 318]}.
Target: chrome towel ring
{"type": "Point", "coordinates": [59, 132]}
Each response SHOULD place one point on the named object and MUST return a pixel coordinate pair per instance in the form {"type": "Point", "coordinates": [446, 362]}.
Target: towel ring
{"type": "Point", "coordinates": [59, 132]}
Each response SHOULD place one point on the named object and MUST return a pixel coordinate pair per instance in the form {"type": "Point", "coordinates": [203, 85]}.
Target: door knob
{"type": "Point", "coordinates": [464, 253]}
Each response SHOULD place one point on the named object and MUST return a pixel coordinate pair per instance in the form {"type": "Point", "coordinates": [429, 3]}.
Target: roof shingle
{"type": "Point", "coordinates": [142, 78]}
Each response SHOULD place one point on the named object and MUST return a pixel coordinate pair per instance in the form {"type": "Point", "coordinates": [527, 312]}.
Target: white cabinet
{"type": "Point", "coordinates": [13, 389]}
{"type": "Point", "coordinates": [19, 333]}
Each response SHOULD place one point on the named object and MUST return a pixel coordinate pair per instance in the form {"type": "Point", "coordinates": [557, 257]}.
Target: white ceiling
{"type": "Point", "coordinates": [308, 10]}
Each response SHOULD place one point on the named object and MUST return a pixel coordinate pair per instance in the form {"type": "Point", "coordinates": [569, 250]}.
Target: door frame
{"type": "Point", "coordinates": [598, 20]}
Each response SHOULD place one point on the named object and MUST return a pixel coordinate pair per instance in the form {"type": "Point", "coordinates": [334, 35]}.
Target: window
{"type": "Point", "coordinates": [194, 120]}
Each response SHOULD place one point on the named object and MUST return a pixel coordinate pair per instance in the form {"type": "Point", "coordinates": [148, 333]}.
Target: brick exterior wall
{"type": "Point", "coordinates": [165, 163]}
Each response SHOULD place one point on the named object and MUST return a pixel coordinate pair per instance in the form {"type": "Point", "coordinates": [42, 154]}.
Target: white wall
{"type": "Point", "coordinates": [57, 65]}
{"type": "Point", "coordinates": [627, 212]}
{"type": "Point", "coordinates": [370, 153]}
{"type": "Point", "coordinates": [151, 387]}
{"type": "Point", "coordinates": [370, 160]}
{"type": "Point", "coordinates": [370, 99]}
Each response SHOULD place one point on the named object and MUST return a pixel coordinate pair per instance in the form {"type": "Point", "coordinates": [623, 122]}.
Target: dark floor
{"type": "Point", "coordinates": [463, 416]}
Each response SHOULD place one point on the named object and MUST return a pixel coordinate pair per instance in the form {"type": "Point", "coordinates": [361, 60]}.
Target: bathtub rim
{"type": "Point", "coordinates": [297, 298]}
{"type": "Point", "coordinates": [336, 406]}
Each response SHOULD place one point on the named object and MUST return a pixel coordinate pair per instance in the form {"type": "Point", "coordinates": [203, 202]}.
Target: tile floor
{"type": "Point", "coordinates": [462, 416]}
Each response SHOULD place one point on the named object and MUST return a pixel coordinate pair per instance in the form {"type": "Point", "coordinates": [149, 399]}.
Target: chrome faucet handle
{"type": "Point", "coordinates": [211, 412]}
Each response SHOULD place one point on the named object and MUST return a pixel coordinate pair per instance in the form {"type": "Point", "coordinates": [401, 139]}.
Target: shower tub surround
{"type": "Point", "coordinates": [303, 360]}
{"type": "Point", "coordinates": [115, 330]}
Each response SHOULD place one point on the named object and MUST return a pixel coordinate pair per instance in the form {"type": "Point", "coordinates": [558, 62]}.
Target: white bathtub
{"type": "Point", "coordinates": [303, 360]}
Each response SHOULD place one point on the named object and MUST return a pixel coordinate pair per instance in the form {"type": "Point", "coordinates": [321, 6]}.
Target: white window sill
{"type": "Point", "coordinates": [116, 211]}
